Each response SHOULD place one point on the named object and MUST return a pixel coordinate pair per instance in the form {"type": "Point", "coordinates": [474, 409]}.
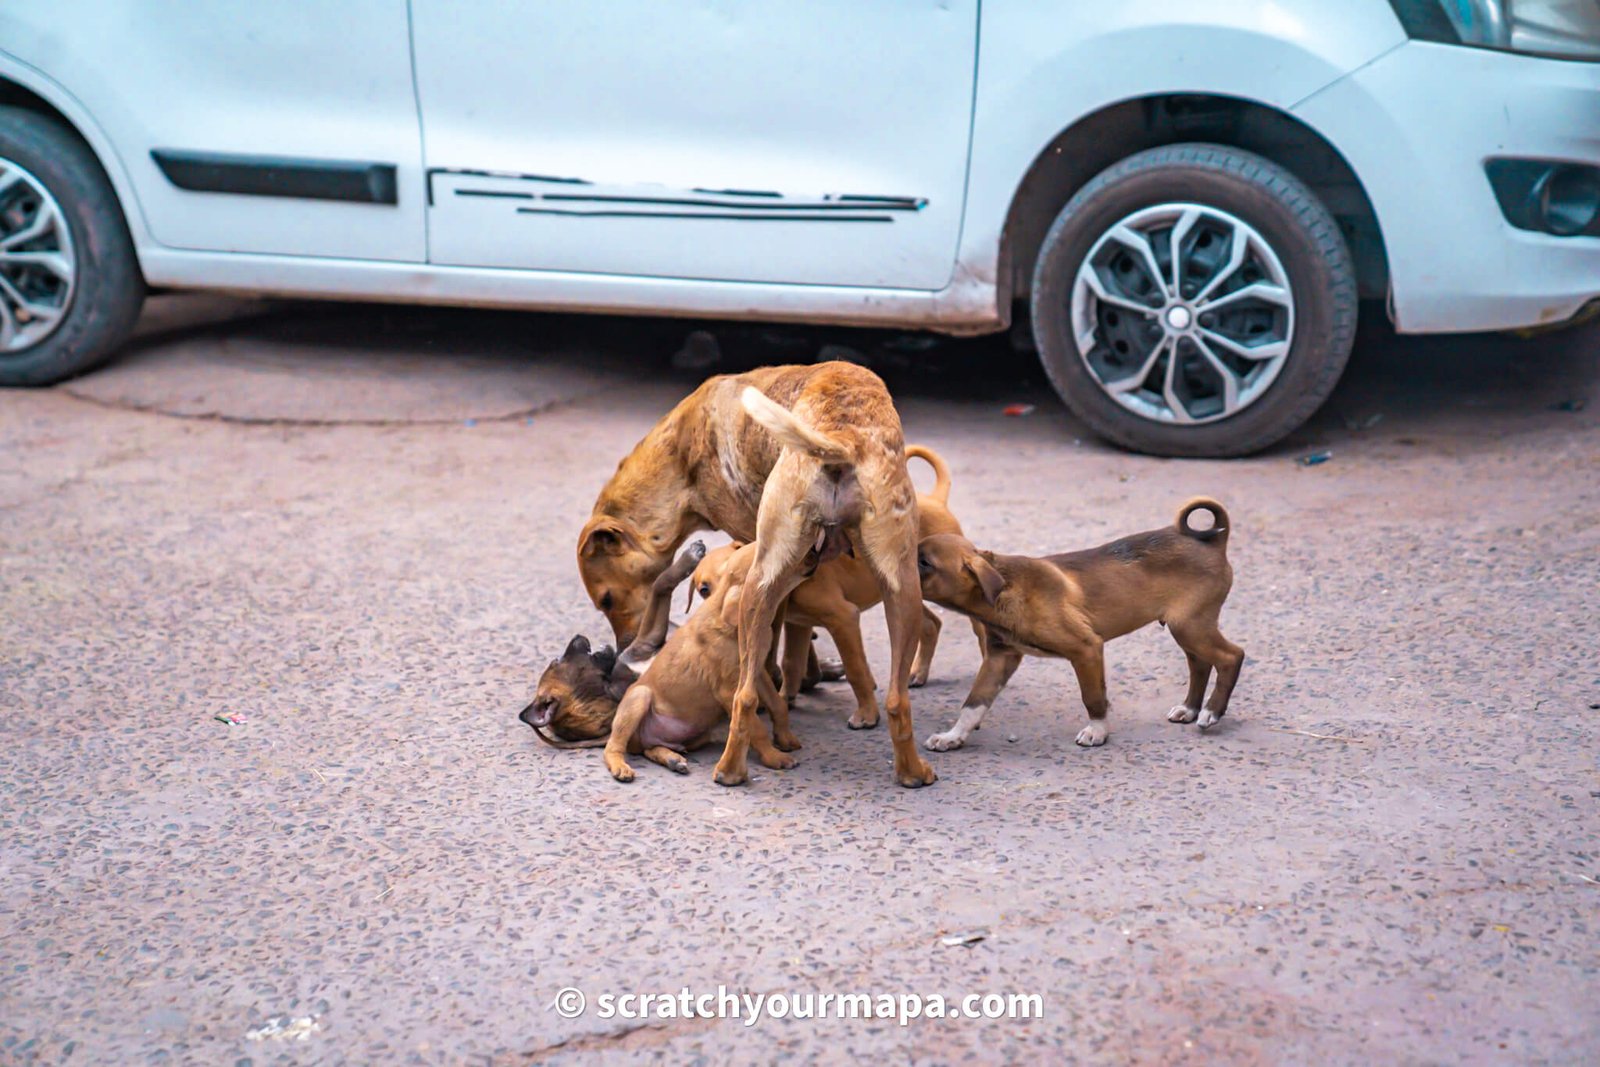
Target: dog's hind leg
{"type": "Point", "coordinates": [773, 576]}
{"type": "Point", "coordinates": [636, 704]}
{"type": "Point", "coordinates": [1203, 640]}
{"type": "Point", "coordinates": [669, 759]}
{"type": "Point", "coordinates": [903, 609]}
{"type": "Point", "coordinates": [845, 628]}
{"type": "Point", "coordinates": [925, 646]}
{"type": "Point", "coordinates": [1199, 675]}
{"type": "Point", "coordinates": [798, 655]}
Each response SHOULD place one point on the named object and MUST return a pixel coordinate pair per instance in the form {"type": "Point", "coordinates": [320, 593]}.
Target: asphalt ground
{"type": "Point", "coordinates": [353, 529]}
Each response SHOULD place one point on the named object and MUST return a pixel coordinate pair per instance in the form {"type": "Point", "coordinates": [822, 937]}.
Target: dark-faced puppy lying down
{"type": "Point", "coordinates": [578, 694]}
{"type": "Point", "coordinates": [1069, 605]}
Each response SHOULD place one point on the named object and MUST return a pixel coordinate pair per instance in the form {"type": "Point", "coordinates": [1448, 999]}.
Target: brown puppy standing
{"type": "Point", "coordinates": [706, 466]}
{"type": "Point", "coordinates": [1069, 605]}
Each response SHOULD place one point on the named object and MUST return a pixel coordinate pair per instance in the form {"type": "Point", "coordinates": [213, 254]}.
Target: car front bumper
{"type": "Point", "coordinates": [1416, 126]}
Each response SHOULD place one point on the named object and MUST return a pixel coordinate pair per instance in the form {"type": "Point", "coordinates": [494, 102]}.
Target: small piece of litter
{"type": "Point", "coordinates": [1576, 404]}
{"type": "Point", "coordinates": [963, 939]}
{"type": "Point", "coordinates": [472, 422]}
{"type": "Point", "coordinates": [1012, 738]}
{"type": "Point", "coordinates": [1314, 458]}
{"type": "Point", "coordinates": [528, 421]}
{"type": "Point", "coordinates": [230, 720]}
{"type": "Point", "coordinates": [1586, 878]}
{"type": "Point", "coordinates": [1014, 410]}
{"type": "Point", "coordinates": [283, 1028]}
{"type": "Point", "coordinates": [1594, 707]}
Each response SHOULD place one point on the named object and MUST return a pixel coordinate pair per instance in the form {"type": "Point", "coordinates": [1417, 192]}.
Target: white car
{"type": "Point", "coordinates": [1188, 198]}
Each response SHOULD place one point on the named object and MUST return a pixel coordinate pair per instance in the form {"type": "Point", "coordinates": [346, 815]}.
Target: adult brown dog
{"type": "Point", "coordinates": [1069, 605]}
{"type": "Point", "coordinates": [835, 596]}
{"type": "Point", "coordinates": [804, 457]}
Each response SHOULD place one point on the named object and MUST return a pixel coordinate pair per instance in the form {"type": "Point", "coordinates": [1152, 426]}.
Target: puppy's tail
{"type": "Point", "coordinates": [941, 471]}
{"type": "Point", "coordinates": [1218, 534]}
{"type": "Point", "coordinates": [790, 431]}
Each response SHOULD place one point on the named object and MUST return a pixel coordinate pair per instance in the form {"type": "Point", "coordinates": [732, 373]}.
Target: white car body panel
{"type": "Point", "coordinates": [1417, 126]}
{"type": "Point", "coordinates": [875, 100]}
{"type": "Point", "coordinates": [257, 77]}
{"type": "Point", "coordinates": [629, 137]}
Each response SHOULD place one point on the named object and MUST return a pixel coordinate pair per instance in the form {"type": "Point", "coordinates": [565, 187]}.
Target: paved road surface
{"type": "Point", "coordinates": [353, 528]}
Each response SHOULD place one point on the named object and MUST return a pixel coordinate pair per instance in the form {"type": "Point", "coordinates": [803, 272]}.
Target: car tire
{"type": "Point", "coordinates": [71, 288]}
{"type": "Point", "coordinates": [1104, 302]}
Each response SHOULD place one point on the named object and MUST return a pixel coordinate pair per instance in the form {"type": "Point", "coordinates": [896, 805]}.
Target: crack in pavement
{"type": "Point", "coordinates": [281, 421]}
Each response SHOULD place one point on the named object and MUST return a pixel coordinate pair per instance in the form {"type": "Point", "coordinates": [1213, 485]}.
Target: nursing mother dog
{"type": "Point", "coordinates": [802, 460]}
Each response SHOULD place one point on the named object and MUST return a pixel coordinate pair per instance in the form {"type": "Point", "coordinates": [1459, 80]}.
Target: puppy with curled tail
{"type": "Point", "coordinates": [1069, 605]}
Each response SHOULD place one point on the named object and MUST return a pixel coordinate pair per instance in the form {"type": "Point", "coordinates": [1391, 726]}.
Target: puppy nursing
{"type": "Point", "coordinates": [806, 466]}
{"type": "Point", "coordinates": [1069, 605]}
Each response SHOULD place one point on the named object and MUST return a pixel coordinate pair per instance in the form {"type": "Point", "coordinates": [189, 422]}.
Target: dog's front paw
{"type": "Point", "coordinates": [620, 770]}
{"type": "Point", "coordinates": [778, 761]}
{"type": "Point", "coordinates": [1209, 718]}
{"type": "Point", "coordinates": [944, 742]}
{"type": "Point", "coordinates": [1092, 735]}
{"type": "Point", "coordinates": [678, 765]}
{"type": "Point", "coordinates": [786, 741]}
{"type": "Point", "coordinates": [919, 678]}
{"type": "Point", "coordinates": [1182, 713]}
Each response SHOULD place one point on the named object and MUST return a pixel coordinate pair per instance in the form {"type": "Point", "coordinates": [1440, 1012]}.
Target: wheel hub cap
{"type": "Point", "coordinates": [38, 269]}
{"type": "Point", "coordinates": [1183, 313]}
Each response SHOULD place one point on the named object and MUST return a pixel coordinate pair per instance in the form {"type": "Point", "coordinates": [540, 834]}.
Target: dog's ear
{"type": "Point", "coordinates": [578, 646]}
{"type": "Point", "coordinates": [604, 536]}
{"type": "Point", "coordinates": [988, 579]}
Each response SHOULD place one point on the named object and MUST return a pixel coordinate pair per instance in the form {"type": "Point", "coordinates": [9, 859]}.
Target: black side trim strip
{"type": "Point", "coordinates": [741, 216]}
{"type": "Point", "coordinates": [860, 203]}
{"type": "Point", "coordinates": [299, 179]}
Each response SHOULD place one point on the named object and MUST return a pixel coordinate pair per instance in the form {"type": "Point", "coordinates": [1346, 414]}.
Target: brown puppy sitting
{"type": "Point", "coordinates": [1069, 605]}
{"type": "Point", "coordinates": [836, 595]}
{"type": "Point", "coordinates": [690, 686]}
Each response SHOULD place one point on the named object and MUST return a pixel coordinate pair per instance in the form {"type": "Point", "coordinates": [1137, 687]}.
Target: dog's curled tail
{"type": "Point", "coordinates": [941, 471]}
{"type": "Point", "coordinates": [790, 431]}
{"type": "Point", "coordinates": [1219, 520]}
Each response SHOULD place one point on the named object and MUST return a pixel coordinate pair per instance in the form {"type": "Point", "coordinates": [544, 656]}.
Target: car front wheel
{"type": "Point", "coordinates": [70, 286]}
{"type": "Point", "coordinates": [1194, 300]}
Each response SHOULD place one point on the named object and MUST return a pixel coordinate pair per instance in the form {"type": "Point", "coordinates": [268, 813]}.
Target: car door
{"type": "Point", "coordinates": [257, 126]}
{"type": "Point", "coordinates": [739, 140]}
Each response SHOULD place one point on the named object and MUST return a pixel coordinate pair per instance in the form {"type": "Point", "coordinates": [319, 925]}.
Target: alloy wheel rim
{"type": "Point", "coordinates": [1183, 314]}
{"type": "Point", "coordinates": [38, 267]}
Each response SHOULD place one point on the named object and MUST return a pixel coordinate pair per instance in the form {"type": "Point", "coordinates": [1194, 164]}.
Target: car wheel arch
{"type": "Point", "coordinates": [1117, 130]}
{"type": "Point", "coordinates": [23, 88]}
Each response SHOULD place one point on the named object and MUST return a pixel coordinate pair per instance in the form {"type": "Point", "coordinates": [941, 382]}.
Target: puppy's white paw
{"type": "Point", "coordinates": [1182, 713]}
{"type": "Point", "coordinates": [1208, 718]}
{"type": "Point", "coordinates": [1092, 735]}
{"type": "Point", "coordinates": [944, 742]}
